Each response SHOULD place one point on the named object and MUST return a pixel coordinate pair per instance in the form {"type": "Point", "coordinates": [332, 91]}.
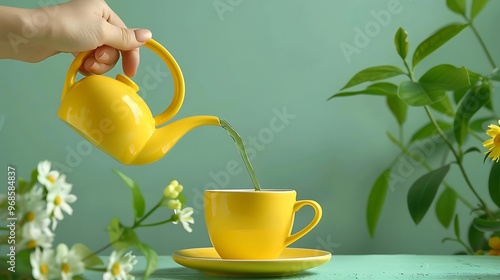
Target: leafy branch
{"type": "Point", "coordinates": [471, 93]}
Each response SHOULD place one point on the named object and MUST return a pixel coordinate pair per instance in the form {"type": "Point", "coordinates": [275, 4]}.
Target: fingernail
{"type": "Point", "coordinates": [104, 56]}
{"type": "Point", "coordinates": [142, 35]}
{"type": "Point", "coordinates": [94, 67]}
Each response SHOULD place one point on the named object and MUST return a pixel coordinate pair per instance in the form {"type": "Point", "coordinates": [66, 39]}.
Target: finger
{"type": "Point", "coordinates": [94, 67]}
{"type": "Point", "coordinates": [130, 62]}
{"type": "Point", "coordinates": [125, 39]}
{"type": "Point", "coordinates": [83, 70]}
{"type": "Point", "coordinates": [106, 55]}
{"type": "Point", "coordinates": [130, 56]}
{"type": "Point", "coordinates": [141, 35]}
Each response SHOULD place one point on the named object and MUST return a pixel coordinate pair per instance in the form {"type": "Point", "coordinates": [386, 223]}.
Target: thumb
{"type": "Point", "coordinates": [124, 38]}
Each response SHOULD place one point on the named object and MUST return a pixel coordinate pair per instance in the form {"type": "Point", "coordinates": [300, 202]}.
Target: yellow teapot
{"type": "Point", "coordinates": [111, 115]}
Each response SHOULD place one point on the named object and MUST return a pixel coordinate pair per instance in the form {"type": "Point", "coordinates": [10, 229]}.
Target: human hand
{"type": "Point", "coordinates": [91, 24]}
{"type": "Point", "coordinates": [82, 25]}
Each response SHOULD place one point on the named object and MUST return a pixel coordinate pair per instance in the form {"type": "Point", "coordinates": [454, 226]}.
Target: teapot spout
{"type": "Point", "coordinates": [164, 138]}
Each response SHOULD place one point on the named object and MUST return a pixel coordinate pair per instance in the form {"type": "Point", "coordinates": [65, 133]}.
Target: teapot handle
{"type": "Point", "coordinates": [174, 68]}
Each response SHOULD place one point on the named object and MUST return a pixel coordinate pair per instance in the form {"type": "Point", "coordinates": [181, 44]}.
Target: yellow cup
{"type": "Point", "coordinates": [249, 224]}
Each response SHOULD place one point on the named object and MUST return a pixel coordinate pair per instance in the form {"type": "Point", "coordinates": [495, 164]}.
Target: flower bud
{"type": "Point", "coordinates": [174, 204]}
{"type": "Point", "coordinates": [172, 190]}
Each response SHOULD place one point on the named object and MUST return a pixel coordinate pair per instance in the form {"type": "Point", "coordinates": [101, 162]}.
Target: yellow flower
{"type": "Point", "coordinates": [493, 144]}
{"type": "Point", "coordinates": [494, 243]}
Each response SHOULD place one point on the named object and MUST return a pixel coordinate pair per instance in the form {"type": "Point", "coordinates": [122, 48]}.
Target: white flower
{"type": "Point", "coordinates": [36, 238]}
{"type": "Point", "coordinates": [69, 262]}
{"type": "Point", "coordinates": [184, 216]}
{"type": "Point", "coordinates": [32, 212]}
{"type": "Point", "coordinates": [42, 263]}
{"type": "Point", "coordinates": [173, 189]}
{"type": "Point", "coordinates": [36, 221]}
{"type": "Point", "coordinates": [58, 200]}
{"type": "Point", "coordinates": [30, 200]}
{"type": "Point", "coordinates": [47, 177]}
{"type": "Point", "coordinates": [119, 266]}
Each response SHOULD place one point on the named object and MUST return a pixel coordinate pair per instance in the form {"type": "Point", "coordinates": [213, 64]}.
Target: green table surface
{"type": "Point", "coordinates": [359, 267]}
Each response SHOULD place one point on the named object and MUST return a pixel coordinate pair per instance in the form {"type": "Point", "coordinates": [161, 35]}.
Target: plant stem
{"type": "Point", "coordinates": [100, 250]}
{"type": "Point", "coordinates": [459, 162]}
{"type": "Point", "coordinates": [469, 184]}
{"type": "Point", "coordinates": [96, 269]}
{"type": "Point", "coordinates": [410, 73]}
{"type": "Point", "coordinates": [467, 248]}
{"type": "Point", "coordinates": [135, 225]}
{"type": "Point", "coordinates": [157, 223]}
{"type": "Point", "coordinates": [428, 167]}
{"type": "Point", "coordinates": [138, 222]}
{"type": "Point", "coordinates": [441, 133]}
{"type": "Point", "coordinates": [483, 45]}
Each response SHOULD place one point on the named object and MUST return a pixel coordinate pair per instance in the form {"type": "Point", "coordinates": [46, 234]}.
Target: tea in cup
{"type": "Point", "coordinates": [248, 224]}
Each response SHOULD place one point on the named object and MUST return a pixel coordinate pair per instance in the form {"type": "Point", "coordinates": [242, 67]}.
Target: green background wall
{"type": "Point", "coordinates": [244, 61]}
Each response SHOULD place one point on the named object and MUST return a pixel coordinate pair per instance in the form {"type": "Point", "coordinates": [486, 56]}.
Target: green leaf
{"type": "Point", "coordinates": [89, 259]}
{"type": "Point", "coordinates": [445, 207]}
{"type": "Point", "coordinates": [460, 93]}
{"type": "Point", "coordinates": [486, 156]}
{"type": "Point", "coordinates": [376, 200]}
{"type": "Point", "coordinates": [398, 108]}
{"type": "Point", "coordinates": [423, 191]}
{"type": "Point", "coordinates": [382, 89]}
{"type": "Point", "coordinates": [479, 125]}
{"type": "Point", "coordinates": [494, 183]}
{"type": "Point", "coordinates": [457, 6]}
{"type": "Point", "coordinates": [444, 106]}
{"type": "Point", "coordinates": [121, 237]}
{"type": "Point", "coordinates": [470, 104]}
{"type": "Point", "coordinates": [435, 41]}
{"type": "Point", "coordinates": [445, 77]}
{"type": "Point", "coordinates": [472, 149]}
{"type": "Point", "coordinates": [477, 7]}
{"type": "Point", "coordinates": [415, 95]}
{"type": "Point", "coordinates": [456, 227]}
{"type": "Point", "coordinates": [429, 130]}
{"type": "Point", "coordinates": [486, 225]}
{"type": "Point", "coordinates": [22, 265]}
{"type": "Point", "coordinates": [22, 186]}
{"type": "Point", "coordinates": [374, 74]}
{"type": "Point", "coordinates": [474, 79]}
{"type": "Point", "coordinates": [182, 198]}
{"type": "Point", "coordinates": [476, 238]}
{"type": "Point", "coordinates": [129, 237]}
{"type": "Point", "coordinates": [114, 229]}
{"type": "Point", "coordinates": [432, 86]}
{"type": "Point", "coordinates": [496, 75]}
{"type": "Point", "coordinates": [151, 259]}
{"type": "Point", "coordinates": [401, 42]}
{"type": "Point", "coordinates": [137, 198]}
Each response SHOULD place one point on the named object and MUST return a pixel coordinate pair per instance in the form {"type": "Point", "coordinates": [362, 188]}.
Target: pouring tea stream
{"type": "Point", "coordinates": [112, 116]}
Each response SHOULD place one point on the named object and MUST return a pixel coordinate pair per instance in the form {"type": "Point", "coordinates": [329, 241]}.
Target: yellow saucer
{"type": "Point", "coordinates": [291, 261]}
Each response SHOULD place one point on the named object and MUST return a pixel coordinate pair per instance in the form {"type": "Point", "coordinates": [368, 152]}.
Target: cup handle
{"type": "Point", "coordinates": [318, 212]}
